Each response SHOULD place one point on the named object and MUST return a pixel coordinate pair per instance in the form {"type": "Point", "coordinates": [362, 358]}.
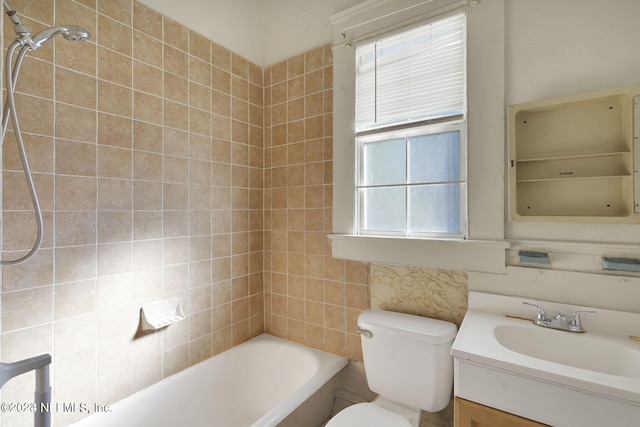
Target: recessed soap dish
{"type": "Point", "coordinates": [159, 314]}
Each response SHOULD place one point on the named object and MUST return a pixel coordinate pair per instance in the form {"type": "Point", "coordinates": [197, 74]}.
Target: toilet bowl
{"type": "Point", "coordinates": [368, 415]}
{"type": "Point", "coordinates": [408, 362]}
{"type": "Point", "coordinates": [379, 413]}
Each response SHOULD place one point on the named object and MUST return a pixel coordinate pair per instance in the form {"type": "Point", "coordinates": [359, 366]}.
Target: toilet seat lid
{"type": "Point", "coordinates": [368, 415]}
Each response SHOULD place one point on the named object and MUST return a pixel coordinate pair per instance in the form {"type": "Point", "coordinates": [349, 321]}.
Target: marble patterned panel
{"type": "Point", "coordinates": [440, 294]}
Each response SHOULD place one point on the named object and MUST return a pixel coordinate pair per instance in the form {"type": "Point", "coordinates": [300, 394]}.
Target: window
{"type": "Point", "coordinates": [411, 132]}
{"type": "Point", "coordinates": [479, 246]}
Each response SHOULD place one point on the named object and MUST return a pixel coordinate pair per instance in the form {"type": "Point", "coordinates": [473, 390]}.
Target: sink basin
{"type": "Point", "coordinates": [584, 351]}
{"type": "Point", "coordinates": [598, 361]}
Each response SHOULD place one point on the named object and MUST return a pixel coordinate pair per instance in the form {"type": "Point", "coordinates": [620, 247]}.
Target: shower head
{"type": "Point", "coordinates": [69, 32]}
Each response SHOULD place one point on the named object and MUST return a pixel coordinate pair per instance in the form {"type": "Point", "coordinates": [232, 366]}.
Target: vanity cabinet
{"type": "Point", "coordinates": [471, 414]}
{"type": "Point", "coordinates": [571, 158]}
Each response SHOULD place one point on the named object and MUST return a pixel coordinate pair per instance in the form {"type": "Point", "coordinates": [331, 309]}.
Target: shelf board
{"type": "Point", "coordinates": [573, 178]}
{"type": "Point", "coordinates": [550, 157]}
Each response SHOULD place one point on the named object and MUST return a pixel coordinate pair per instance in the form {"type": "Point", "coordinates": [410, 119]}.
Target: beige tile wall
{"type": "Point", "coordinates": [310, 297]}
{"type": "Point", "coordinates": [147, 150]}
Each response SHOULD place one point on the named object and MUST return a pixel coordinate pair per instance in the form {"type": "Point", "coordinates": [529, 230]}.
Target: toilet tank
{"type": "Point", "coordinates": [407, 358]}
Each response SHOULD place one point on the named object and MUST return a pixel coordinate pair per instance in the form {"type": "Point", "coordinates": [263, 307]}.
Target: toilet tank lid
{"type": "Point", "coordinates": [410, 326]}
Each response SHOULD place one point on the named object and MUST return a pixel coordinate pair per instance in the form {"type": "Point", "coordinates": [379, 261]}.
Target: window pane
{"type": "Point", "coordinates": [384, 162]}
{"type": "Point", "coordinates": [434, 158]}
{"type": "Point", "coordinates": [434, 208]}
{"type": "Point", "coordinates": [384, 209]}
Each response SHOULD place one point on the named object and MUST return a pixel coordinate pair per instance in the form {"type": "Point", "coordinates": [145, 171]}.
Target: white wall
{"type": "Point", "coordinates": [263, 31]}
{"type": "Point", "coordinates": [556, 48]}
{"type": "Point", "coordinates": [292, 27]}
{"type": "Point", "coordinates": [234, 24]}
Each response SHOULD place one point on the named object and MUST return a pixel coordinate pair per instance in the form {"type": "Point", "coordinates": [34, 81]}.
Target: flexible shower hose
{"type": "Point", "coordinates": [11, 73]}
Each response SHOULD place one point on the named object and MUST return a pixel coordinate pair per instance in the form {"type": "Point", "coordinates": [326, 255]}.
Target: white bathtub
{"type": "Point", "coordinates": [259, 383]}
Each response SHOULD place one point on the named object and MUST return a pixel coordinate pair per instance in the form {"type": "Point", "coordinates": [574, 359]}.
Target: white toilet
{"type": "Point", "coordinates": [408, 362]}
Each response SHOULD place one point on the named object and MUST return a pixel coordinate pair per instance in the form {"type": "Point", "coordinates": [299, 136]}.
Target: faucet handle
{"type": "Point", "coordinates": [541, 315]}
{"type": "Point", "coordinates": [575, 323]}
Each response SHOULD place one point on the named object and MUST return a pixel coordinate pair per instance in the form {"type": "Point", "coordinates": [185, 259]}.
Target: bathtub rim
{"type": "Point", "coordinates": [329, 366]}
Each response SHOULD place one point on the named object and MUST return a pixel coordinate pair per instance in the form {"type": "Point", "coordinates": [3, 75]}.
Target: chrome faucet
{"type": "Point", "coordinates": [559, 321]}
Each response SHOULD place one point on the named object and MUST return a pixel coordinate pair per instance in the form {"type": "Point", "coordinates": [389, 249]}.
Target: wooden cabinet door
{"type": "Point", "coordinates": [470, 414]}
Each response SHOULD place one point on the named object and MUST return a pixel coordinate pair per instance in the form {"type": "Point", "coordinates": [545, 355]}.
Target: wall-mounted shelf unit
{"type": "Point", "coordinates": [571, 158]}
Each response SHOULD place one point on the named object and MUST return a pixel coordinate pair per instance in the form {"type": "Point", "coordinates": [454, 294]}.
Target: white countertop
{"type": "Point", "coordinates": [476, 342]}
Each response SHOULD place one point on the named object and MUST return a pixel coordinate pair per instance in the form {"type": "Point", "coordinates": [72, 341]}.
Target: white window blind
{"type": "Point", "coordinates": [412, 76]}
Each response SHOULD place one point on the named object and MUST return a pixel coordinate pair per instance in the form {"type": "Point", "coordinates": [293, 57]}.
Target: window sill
{"type": "Point", "coordinates": [486, 256]}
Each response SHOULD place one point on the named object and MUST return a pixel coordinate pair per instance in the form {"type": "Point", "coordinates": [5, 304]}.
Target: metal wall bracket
{"type": "Point", "coordinates": [621, 264]}
{"type": "Point", "coordinates": [534, 257]}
